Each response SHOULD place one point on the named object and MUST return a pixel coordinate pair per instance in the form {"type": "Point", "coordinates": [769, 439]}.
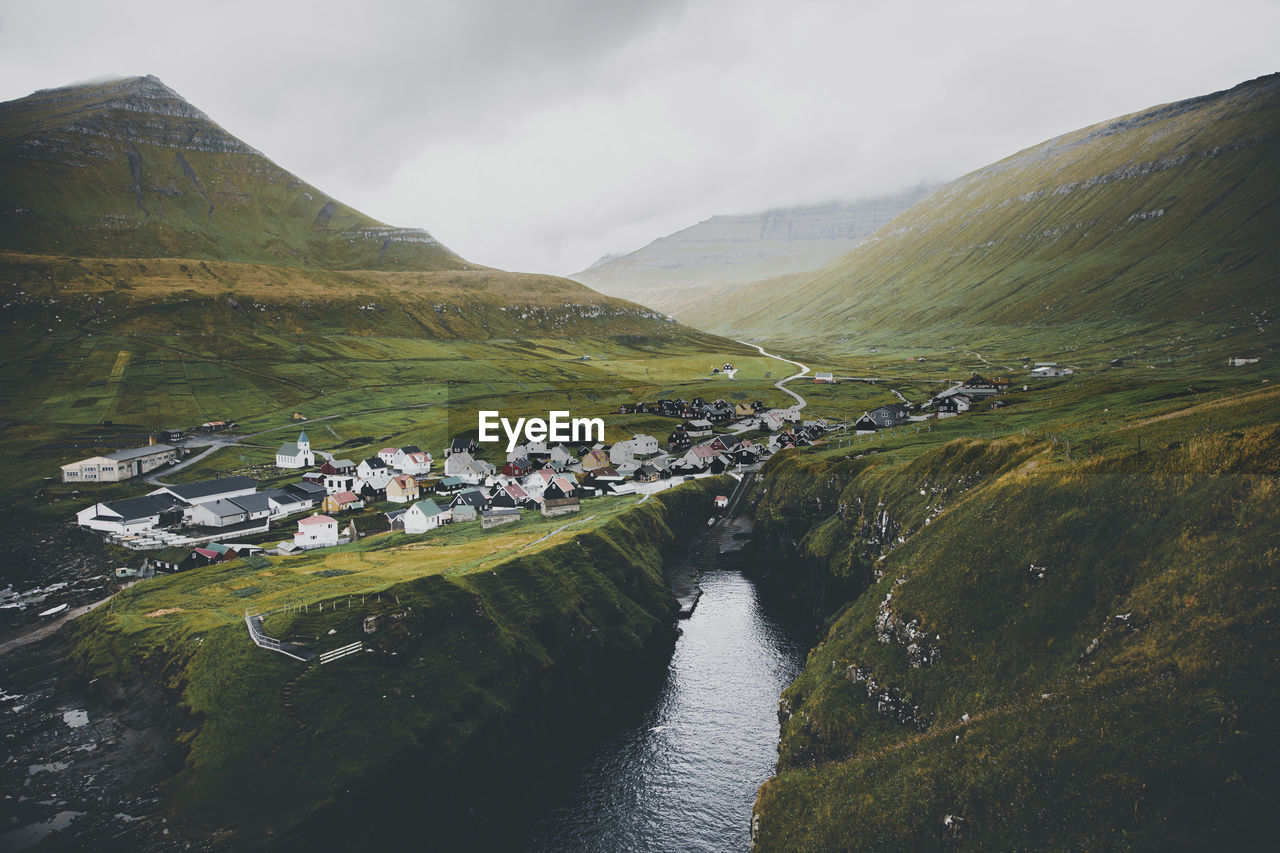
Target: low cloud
{"type": "Point", "coordinates": [540, 136]}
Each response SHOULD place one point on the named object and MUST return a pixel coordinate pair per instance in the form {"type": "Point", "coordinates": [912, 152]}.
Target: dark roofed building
{"type": "Point", "coordinates": [208, 490]}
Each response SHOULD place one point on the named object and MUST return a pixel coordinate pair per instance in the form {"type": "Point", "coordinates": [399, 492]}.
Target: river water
{"type": "Point", "coordinates": [681, 773]}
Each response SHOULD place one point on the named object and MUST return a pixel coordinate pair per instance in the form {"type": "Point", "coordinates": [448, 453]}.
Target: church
{"type": "Point", "coordinates": [296, 454]}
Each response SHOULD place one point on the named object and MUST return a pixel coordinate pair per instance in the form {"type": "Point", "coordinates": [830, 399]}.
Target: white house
{"type": "Point", "coordinates": [536, 483]}
{"type": "Point", "coordinates": [388, 454]}
{"type": "Point", "coordinates": [316, 531]}
{"type": "Point", "coordinates": [466, 466]}
{"type": "Point", "coordinates": [476, 471]}
{"type": "Point", "coordinates": [423, 516]}
{"type": "Point", "coordinates": [401, 456]}
{"type": "Point", "coordinates": [455, 462]}
{"type": "Point", "coordinates": [334, 483]}
{"type": "Point", "coordinates": [296, 454]}
{"type": "Point", "coordinates": [131, 515]}
{"type": "Point", "coordinates": [637, 445]}
{"type": "Point", "coordinates": [374, 471]}
{"type": "Point", "coordinates": [415, 463]}
{"type": "Point", "coordinates": [219, 513]}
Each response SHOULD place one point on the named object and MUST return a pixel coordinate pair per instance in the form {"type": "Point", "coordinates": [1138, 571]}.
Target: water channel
{"type": "Point", "coordinates": [681, 773]}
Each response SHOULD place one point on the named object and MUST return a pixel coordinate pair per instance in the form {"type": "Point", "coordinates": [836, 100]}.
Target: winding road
{"type": "Point", "coordinates": [801, 403]}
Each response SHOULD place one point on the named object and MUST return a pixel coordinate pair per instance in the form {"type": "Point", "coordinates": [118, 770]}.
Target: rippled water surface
{"type": "Point", "coordinates": [684, 776]}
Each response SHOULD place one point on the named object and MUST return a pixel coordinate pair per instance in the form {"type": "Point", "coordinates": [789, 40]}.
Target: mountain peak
{"type": "Point", "coordinates": [154, 176]}
{"type": "Point", "coordinates": [145, 94]}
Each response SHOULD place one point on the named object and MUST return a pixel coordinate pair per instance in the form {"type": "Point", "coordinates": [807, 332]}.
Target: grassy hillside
{"type": "Point", "coordinates": [156, 272]}
{"type": "Point", "coordinates": [1152, 226]}
{"type": "Point", "coordinates": [478, 629]}
{"type": "Point", "coordinates": [130, 169]}
{"type": "Point", "coordinates": [1058, 626]}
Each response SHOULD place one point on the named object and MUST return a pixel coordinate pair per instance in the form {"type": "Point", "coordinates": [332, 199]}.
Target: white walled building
{"type": "Point", "coordinates": [119, 464]}
{"type": "Point", "coordinates": [296, 454]}
{"type": "Point", "coordinates": [316, 531]}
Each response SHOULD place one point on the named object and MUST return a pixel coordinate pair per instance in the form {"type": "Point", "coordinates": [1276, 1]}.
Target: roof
{"type": "Point", "coordinates": [395, 513]}
{"type": "Point", "coordinates": [138, 452]}
{"type": "Point", "coordinates": [410, 448]}
{"type": "Point", "coordinates": [428, 508]}
{"type": "Point", "coordinates": [307, 489]}
{"type": "Point", "coordinates": [417, 457]}
{"type": "Point", "coordinates": [317, 519]}
{"type": "Point", "coordinates": [302, 436]}
{"type": "Point", "coordinates": [222, 508]}
{"type": "Point", "coordinates": [501, 510]}
{"type": "Point", "coordinates": [147, 505]}
{"type": "Point", "coordinates": [471, 496]}
{"type": "Point", "coordinates": [391, 450]}
{"type": "Point", "coordinates": [451, 481]}
{"type": "Point", "coordinates": [342, 463]}
{"type": "Point", "coordinates": [404, 481]}
{"type": "Point", "coordinates": [288, 449]}
{"type": "Point", "coordinates": [206, 488]}
{"type": "Point", "coordinates": [515, 491]}
{"type": "Point", "coordinates": [257, 502]}
{"type": "Point", "coordinates": [346, 497]}
{"type": "Point", "coordinates": [374, 462]}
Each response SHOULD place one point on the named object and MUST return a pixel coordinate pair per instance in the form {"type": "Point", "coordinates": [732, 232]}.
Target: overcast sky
{"type": "Point", "coordinates": [540, 135]}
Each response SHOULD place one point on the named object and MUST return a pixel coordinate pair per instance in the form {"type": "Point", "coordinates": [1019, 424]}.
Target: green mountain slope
{"type": "Point", "coordinates": [1066, 638]}
{"type": "Point", "coordinates": [1164, 221]}
{"type": "Point", "coordinates": [155, 271]}
{"type": "Point", "coordinates": [130, 169]}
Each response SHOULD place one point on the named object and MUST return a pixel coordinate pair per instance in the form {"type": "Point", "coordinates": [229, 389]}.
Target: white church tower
{"type": "Point", "coordinates": [296, 454]}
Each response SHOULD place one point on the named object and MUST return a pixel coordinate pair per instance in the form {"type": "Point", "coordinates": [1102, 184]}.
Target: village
{"type": "Point", "coordinates": [406, 490]}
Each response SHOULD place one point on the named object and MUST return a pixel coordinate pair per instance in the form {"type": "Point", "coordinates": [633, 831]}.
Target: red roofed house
{"type": "Point", "coordinates": [402, 489]}
{"type": "Point", "coordinates": [595, 459]}
{"type": "Point", "coordinates": [316, 531]}
{"type": "Point", "coordinates": [341, 502]}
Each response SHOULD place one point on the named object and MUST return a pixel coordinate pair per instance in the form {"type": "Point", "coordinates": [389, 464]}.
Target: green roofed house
{"type": "Point", "coordinates": [450, 484]}
{"type": "Point", "coordinates": [425, 515]}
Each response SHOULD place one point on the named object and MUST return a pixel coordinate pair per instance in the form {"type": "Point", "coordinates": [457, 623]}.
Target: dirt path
{"type": "Point", "coordinates": [779, 384]}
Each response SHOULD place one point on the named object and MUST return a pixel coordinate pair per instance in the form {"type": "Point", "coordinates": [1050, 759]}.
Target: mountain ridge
{"type": "Point", "coordinates": [1131, 220]}
{"type": "Point", "coordinates": [733, 249]}
{"type": "Point", "coordinates": [130, 168]}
